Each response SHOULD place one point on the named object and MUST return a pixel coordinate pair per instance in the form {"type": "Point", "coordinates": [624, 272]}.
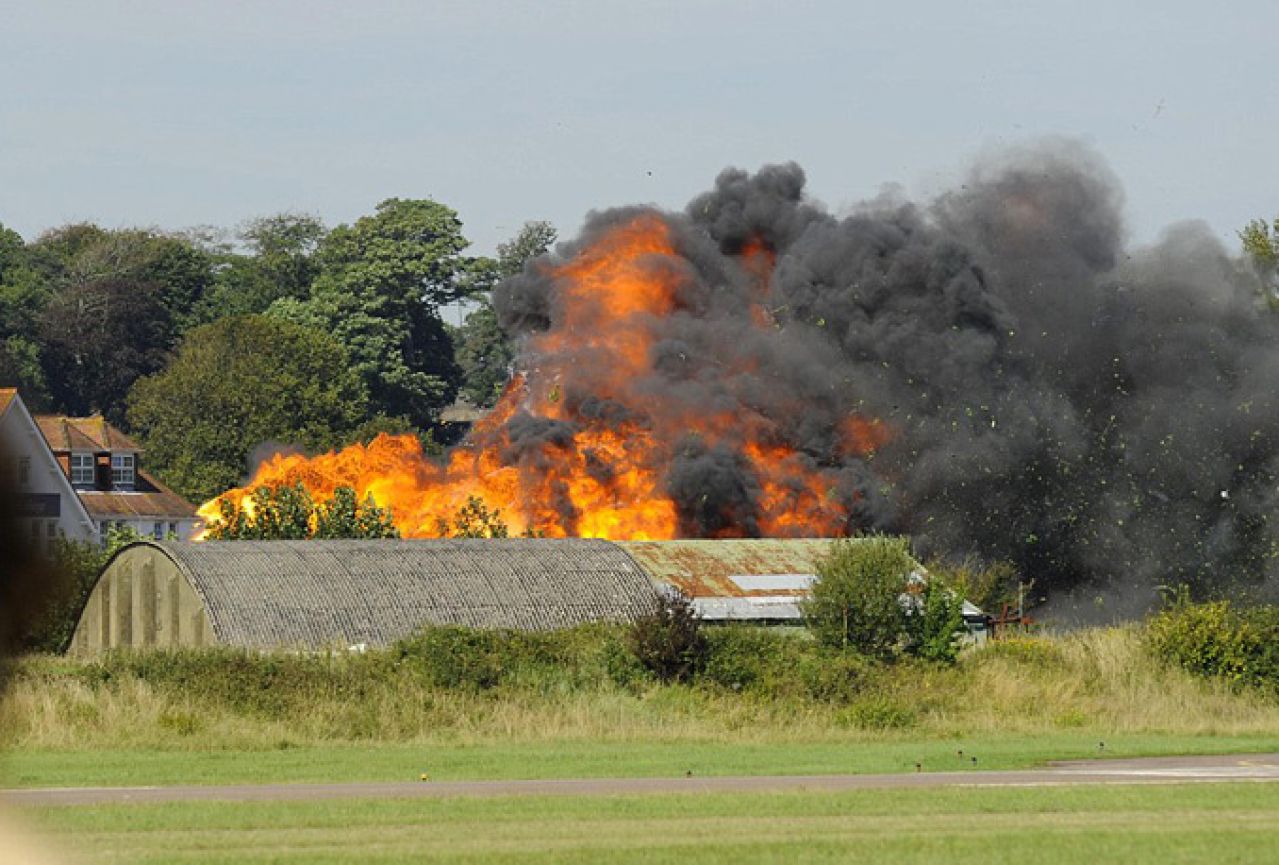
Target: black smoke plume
{"type": "Point", "coordinates": [1090, 412]}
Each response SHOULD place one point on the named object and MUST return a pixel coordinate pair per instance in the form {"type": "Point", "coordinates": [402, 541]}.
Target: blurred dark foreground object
{"type": "Point", "coordinates": [28, 582]}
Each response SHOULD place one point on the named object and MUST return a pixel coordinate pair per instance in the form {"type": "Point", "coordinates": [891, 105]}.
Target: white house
{"type": "Point", "coordinates": [46, 502]}
{"type": "Point", "coordinates": [105, 469]}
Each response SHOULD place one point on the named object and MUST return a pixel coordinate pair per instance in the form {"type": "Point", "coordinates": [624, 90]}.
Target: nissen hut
{"type": "Point", "coordinates": [322, 594]}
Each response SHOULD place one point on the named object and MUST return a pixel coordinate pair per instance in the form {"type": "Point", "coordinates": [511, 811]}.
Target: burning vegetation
{"type": "Point", "coordinates": [993, 373]}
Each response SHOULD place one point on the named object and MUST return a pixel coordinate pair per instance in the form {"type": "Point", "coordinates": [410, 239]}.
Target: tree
{"type": "Point", "coordinates": [934, 621]}
{"type": "Point", "coordinates": [485, 356]}
{"type": "Point", "coordinates": [1261, 245]}
{"type": "Point", "coordinates": [23, 296]}
{"type": "Point", "coordinates": [669, 642]}
{"type": "Point", "coordinates": [474, 520]}
{"type": "Point", "coordinates": [235, 384]}
{"type": "Point", "coordinates": [485, 353]}
{"type": "Point", "coordinates": [284, 250]}
{"type": "Point", "coordinates": [855, 602]}
{"type": "Point", "coordinates": [99, 338]}
{"type": "Point", "coordinates": [281, 263]}
{"type": "Point", "coordinates": [534, 239]}
{"type": "Point", "coordinates": [378, 293]}
{"type": "Point", "coordinates": [179, 271]}
{"type": "Point", "coordinates": [290, 513]}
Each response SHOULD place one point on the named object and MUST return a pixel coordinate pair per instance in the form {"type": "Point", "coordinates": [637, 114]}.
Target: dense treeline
{"type": "Point", "coordinates": [204, 345]}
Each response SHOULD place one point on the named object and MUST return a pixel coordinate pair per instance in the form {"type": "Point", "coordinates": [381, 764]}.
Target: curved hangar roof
{"type": "Point", "coordinates": [310, 594]}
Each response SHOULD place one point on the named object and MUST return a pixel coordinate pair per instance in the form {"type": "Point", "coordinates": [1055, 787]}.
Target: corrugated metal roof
{"type": "Point", "coordinates": [317, 593]}
{"type": "Point", "coordinates": [706, 569]}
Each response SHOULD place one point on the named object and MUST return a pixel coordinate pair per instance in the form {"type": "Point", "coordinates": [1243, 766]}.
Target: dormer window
{"type": "Point", "coordinates": [122, 471]}
{"type": "Point", "coordinates": [82, 470]}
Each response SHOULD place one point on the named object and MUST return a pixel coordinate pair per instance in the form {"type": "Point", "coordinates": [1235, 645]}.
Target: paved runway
{"type": "Point", "coordinates": [1153, 770]}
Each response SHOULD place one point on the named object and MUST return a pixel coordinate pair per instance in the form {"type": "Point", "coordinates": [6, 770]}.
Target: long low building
{"type": "Point", "coordinates": [317, 594]}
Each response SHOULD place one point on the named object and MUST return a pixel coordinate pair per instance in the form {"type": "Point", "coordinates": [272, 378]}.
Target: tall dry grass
{"type": "Point", "coordinates": [1101, 680]}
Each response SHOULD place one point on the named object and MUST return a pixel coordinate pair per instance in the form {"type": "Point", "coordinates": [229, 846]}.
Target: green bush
{"type": "Point", "coordinates": [935, 622]}
{"type": "Point", "coordinates": [879, 713]}
{"type": "Point", "coordinates": [669, 641]}
{"type": "Point", "coordinates": [838, 678]}
{"type": "Point", "coordinates": [274, 686]}
{"type": "Point", "coordinates": [855, 600]}
{"type": "Point", "coordinates": [469, 658]}
{"type": "Point", "coordinates": [748, 658]}
{"type": "Point", "coordinates": [1218, 639]}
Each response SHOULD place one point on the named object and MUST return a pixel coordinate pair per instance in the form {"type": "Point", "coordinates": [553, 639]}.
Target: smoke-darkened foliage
{"type": "Point", "coordinates": [1051, 397]}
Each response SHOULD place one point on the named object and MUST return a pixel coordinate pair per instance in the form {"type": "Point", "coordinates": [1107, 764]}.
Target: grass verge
{"type": "Point", "coordinates": [1220, 823]}
{"type": "Point", "coordinates": [577, 759]}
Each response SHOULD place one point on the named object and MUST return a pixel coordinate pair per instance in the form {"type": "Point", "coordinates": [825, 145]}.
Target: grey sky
{"type": "Point", "coordinates": [183, 113]}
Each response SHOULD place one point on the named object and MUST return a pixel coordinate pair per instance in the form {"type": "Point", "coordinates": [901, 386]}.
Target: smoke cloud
{"type": "Point", "coordinates": [1038, 392]}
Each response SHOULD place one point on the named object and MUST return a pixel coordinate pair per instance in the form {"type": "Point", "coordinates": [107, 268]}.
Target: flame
{"type": "Point", "coordinates": [599, 469]}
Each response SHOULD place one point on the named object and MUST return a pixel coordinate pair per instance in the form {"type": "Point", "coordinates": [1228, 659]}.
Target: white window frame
{"type": "Point", "coordinates": [24, 472]}
{"type": "Point", "coordinates": [123, 471]}
{"type": "Point", "coordinates": [80, 464]}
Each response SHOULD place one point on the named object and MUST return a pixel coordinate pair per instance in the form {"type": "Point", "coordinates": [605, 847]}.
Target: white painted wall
{"type": "Point", "coordinates": [23, 442]}
{"type": "Point", "coordinates": [181, 529]}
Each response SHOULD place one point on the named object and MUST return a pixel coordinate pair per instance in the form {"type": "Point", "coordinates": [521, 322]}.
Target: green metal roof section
{"type": "Point", "coordinates": [705, 569]}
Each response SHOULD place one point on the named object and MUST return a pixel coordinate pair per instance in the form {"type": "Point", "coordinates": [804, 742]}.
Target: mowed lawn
{"type": "Point", "coordinates": [1207, 823]}
{"type": "Point", "coordinates": [590, 759]}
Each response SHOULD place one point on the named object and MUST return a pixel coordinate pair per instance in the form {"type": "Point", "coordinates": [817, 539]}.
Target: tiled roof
{"type": "Point", "coordinates": [153, 499]}
{"type": "Point", "coordinates": [82, 434]}
{"type": "Point", "coordinates": [7, 395]}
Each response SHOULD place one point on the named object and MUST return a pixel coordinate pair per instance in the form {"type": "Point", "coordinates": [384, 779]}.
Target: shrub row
{"type": "Point", "coordinates": [762, 663]}
{"type": "Point", "coordinates": [1219, 639]}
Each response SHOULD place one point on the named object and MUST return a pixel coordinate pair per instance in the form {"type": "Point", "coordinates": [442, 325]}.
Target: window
{"type": "Point", "coordinates": [173, 529]}
{"type": "Point", "coordinates": [24, 471]}
{"type": "Point", "coordinates": [35, 530]}
{"type": "Point", "coordinates": [157, 530]}
{"type": "Point", "coordinates": [82, 470]}
{"type": "Point", "coordinates": [122, 471]}
{"type": "Point", "coordinates": [51, 535]}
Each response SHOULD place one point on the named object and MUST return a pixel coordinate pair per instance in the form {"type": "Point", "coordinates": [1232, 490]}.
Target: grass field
{"type": "Point", "coordinates": [1226, 823]}
{"type": "Point", "coordinates": [228, 718]}
{"type": "Point", "coordinates": [575, 759]}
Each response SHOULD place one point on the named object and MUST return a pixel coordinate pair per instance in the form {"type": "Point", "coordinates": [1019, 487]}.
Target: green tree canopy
{"type": "Point", "coordinates": [235, 384]}
{"type": "Point", "coordinates": [99, 338]}
{"type": "Point", "coordinates": [179, 270]}
{"type": "Point", "coordinates": [534, 239]}
{"type": "Point", "coordinates": [290, 513]}
{"type": "Point", "coordinates": [378, 293]}
{"type": "Point", "coordinates": [485, 354]}
{"type": "Point", "coordinates": [23, 296]}
{"type": "Point", "coordinates": [855, 600]}
{"type": "Point", "coordinates": [280, 262]}
{"type": "Point", "coordinates": [1261, 245]}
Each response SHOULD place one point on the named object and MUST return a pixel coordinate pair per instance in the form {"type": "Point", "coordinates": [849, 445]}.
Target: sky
{"type": "Point", "coordinates": [189, 113]}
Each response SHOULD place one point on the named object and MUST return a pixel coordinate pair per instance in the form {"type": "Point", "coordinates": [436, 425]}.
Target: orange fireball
{"type": "Point", "coordinates": [577, 446]}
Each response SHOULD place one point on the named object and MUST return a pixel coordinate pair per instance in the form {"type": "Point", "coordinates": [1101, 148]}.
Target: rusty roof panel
{"type": "Point", "coordinates": [705, 569]}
